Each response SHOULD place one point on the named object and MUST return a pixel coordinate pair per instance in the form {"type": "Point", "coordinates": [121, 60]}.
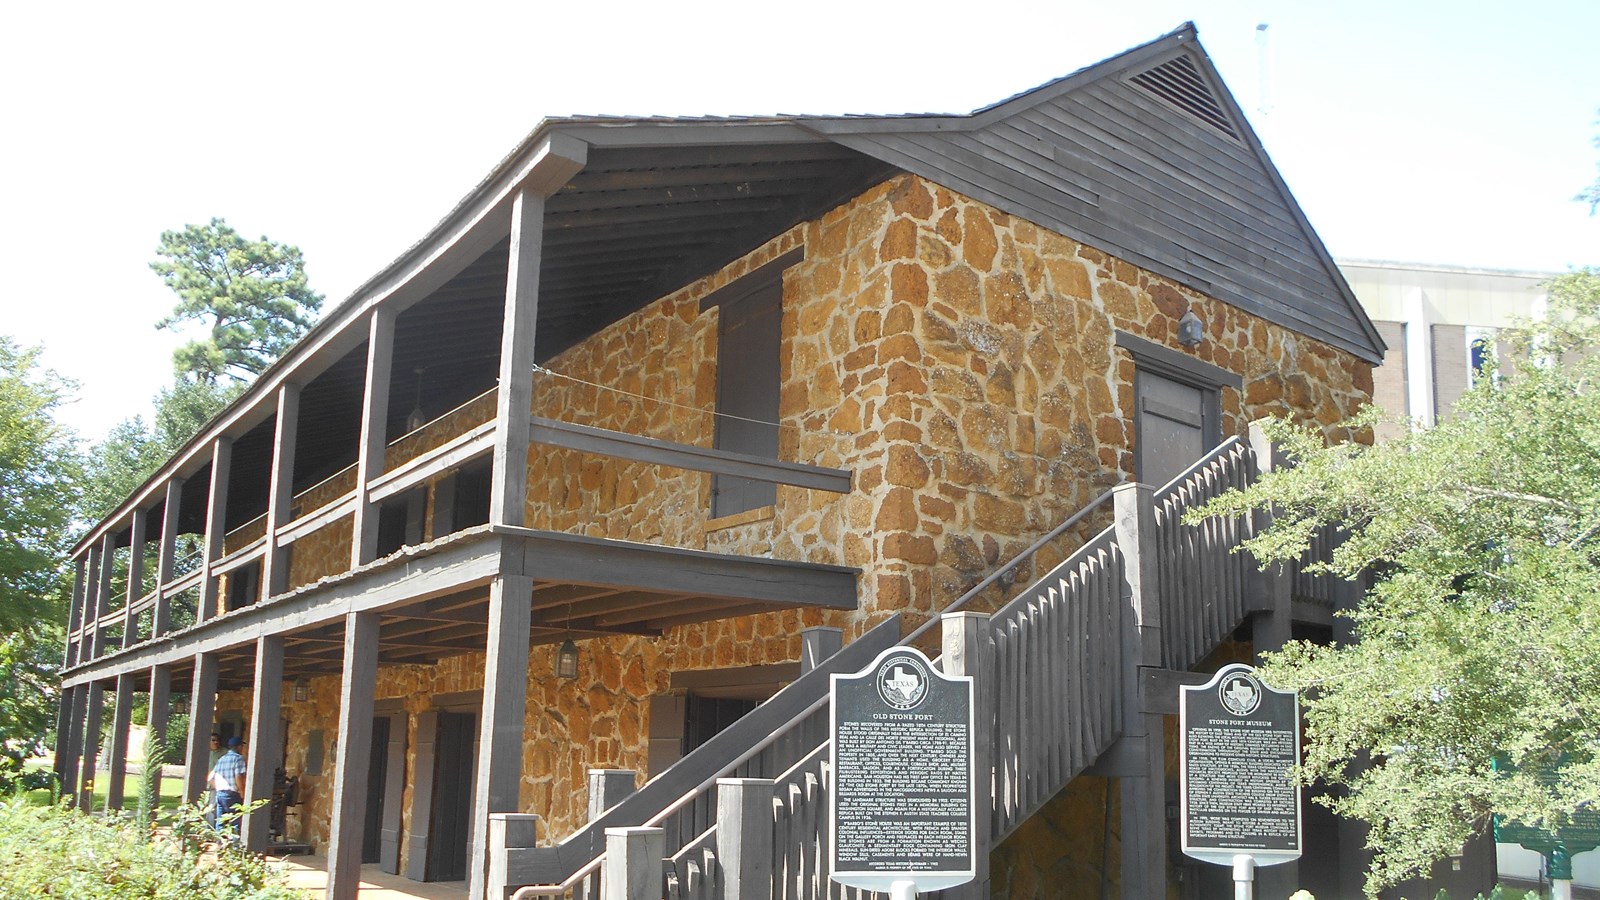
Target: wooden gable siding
{"type": "Point", "coordinates": [1111, 165]}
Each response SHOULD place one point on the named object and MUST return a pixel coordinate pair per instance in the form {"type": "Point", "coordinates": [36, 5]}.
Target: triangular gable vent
{"type": "Point", "coordinates": [1179, 82]}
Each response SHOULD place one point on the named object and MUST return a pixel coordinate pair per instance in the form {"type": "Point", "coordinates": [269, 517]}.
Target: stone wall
{"type": "Point", "coordinates": [958, 360]}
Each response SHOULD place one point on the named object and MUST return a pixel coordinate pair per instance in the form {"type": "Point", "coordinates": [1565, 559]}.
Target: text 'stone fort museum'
{"type": "Point", "coordinates": [566, 516]}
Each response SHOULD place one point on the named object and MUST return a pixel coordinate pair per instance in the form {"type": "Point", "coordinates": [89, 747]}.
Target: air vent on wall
{"type": "Point", "coordinates": [1179, 82]}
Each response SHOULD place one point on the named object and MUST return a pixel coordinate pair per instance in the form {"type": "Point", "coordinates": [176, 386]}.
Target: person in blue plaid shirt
{"type": "Point", "coordinates": [227, 779]}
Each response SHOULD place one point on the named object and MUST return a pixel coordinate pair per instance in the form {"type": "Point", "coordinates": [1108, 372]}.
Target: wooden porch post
{"type": "Point", "coordinates": [967, 650]}
{"type": "Point", "coordinates": [91, 745]}
{"type": "Point", "coordinates": [69, 723]}
{"type": "Point", "coordinates": [216, 525]}
{"type": "Point", "coordinates": [557, 161]}
{"type": "Point", "coordinates": [280, 496]}
{"type": "Point", "coordinates": [608, 787]}
{"type": "Point", "coordinates": [202, 707]}
{"type": "Point", "coordinates": [266, 709]}
{"type": "Point", "coordinates": [166, 558]}
{"type": "Point", "coordinates": [511, 831]}
{"type": "Point", "coordinates": [117, 765]}
{"type": "Point", "coordinates": [136, 536]}
{"type": "Point", "coordinates": [498, 776]}
{"type": "Point", "coordinates": [1142, 783]}
{"type": "Point", "coordinates": [514, 402]}
{"type": "Point", "coordinates": [374, 433]}
{"type": "Point", "coordinates": [632, 869]}
{"type": "Point", "coordinates": [355, 752]}
{"type": "Point", "coordinates": [744, 837]}
{"type": "Point", "coordinates": [160, 711]}
{"type": "Point", "coordinates": [817, 643]}
{"type": "Point", "coordinates": [80, 591]}
{"type": "Point", "coordinates": [102, 593]}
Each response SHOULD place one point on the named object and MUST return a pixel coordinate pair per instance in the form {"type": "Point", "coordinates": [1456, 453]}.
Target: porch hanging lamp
{"type": "Point", "coordinates": [567, 660]}
{"type": "Point", "coordinates": [417, 419]}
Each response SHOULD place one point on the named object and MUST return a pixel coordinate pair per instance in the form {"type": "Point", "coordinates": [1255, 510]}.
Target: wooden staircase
{"type": "Point", "coordinates": [1057, 671]}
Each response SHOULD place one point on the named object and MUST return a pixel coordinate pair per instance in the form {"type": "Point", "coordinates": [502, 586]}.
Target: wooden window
{"type": "Point", "coordinates": [750, 315]}
{"type": "Point", "coordinates": [400, 521]}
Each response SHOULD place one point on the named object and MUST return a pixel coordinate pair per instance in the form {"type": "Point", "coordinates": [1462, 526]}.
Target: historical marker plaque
{"type": "Point", "coordinates": [1239, 739]}
{"type": "Point", "coordinates": [903, 770]}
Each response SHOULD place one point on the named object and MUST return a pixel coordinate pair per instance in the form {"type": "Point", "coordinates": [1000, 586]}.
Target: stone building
{"type": "Point", "coordinates": [666, 411]}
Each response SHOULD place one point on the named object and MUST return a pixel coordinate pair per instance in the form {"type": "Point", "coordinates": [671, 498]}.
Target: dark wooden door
{"type": "Point", "coordinates": [1176, 425]}
{"type": "Point", "coordinates": [377, 779]}
{"type": "Point", "coordinates": [452, 797]}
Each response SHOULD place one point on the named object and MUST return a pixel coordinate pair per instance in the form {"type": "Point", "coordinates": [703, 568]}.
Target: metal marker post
{"type": "Point", "coordinates": [1244, 877]}
{"type": "Point", "coordinates": [907, 890]}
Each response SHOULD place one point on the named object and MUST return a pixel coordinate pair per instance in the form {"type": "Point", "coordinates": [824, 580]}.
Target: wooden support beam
{"type": "Point", "coordinates": [557, 556]}
{"type": "Point", "coordinates": [91, 745]}
{"type": "Point", "coordinates": [498, 776]}
{"type": "Point", "coordinates": [355, 752]}
{"type": "Point", "coordinates": [465, 563]}
{"type": "Point", "coordinates": [638, 448]}
{"type": "Point", "coordinates": [216, 525]}
{"type": "Point", "coordinates": [514, 401]}
{"type": "Point", "coordinates": [166, 558]}
{"type": "Point", "coordinates": [374, 435]}
{"type": "Point", "coordinates": [136, 539]}
{"type": "Point", "coordinates": [69, 735]}
{"type": "Point", "coordinates": [75, 611]}
{"type": "Point", "coordinates": [117, 764]}
{"type": "Point", "coordinates": [548, 596]}
{"type": "Point", "coordinates": [632, 868]}
{"type": "Point", "coordinates": [968, 650]}
{"type": "Point", "coordinates": [202, 708]}
{"type": "Point", "coordinates": [266, 711]}
{"type": "Point", "coordinates": [280, 490]}
{"type": "Point", "coordinates": [817, 643]}
{"type": "Point", "coordinates": [1143, 787]}
{"type": "Point", "coordinates": [102, 594]}
{"type": "Point", "coordinates": [744, 837]}
{"type": "Point", "coordinates": [160, 711]}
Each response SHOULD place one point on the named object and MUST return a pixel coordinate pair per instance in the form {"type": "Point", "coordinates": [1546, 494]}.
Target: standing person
{"type": "Point", "coordinates": [211, 795]}
{"type": "Point", "coordinates": [227, 779]}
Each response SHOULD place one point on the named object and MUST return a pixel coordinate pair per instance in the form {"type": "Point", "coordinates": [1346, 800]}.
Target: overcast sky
{"type": "Point", "coordinates": [1432, 132]}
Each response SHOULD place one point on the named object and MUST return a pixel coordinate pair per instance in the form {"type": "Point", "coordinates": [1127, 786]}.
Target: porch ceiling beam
{"type": "Point", "coordinates": [468, 560]}
{"type": "Point", "coordinates": [553, 556]}
{"type": "Point", "coordinates": [548, 596]}
{"type": "Point", "coordinates": [616, 602]}
{"type": "Point", "coordinates": [664, 604]}
{"type": "Point", "coordinates": [637, 448]}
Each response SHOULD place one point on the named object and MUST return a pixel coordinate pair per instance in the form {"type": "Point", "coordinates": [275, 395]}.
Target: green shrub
{"type": "Point", "coordinates": [57, 852]}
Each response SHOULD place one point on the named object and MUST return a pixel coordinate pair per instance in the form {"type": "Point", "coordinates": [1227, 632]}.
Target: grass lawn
{"type": "Point", "coordinates": [171, 789]}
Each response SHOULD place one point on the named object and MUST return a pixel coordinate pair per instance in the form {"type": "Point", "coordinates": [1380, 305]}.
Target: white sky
{"type": "Point", "coordinates": [1450, 132]}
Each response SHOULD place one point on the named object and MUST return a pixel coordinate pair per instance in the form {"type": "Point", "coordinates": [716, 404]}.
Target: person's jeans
{"type": "Point", "coordinates": [228, 811]}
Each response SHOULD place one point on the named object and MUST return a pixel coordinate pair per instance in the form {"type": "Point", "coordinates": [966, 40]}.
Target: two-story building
{"type": "Point", "coordinates": [666, 411]}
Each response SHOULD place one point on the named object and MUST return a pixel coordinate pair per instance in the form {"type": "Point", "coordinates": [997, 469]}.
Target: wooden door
{"type": "Point", "coordinates": [1176, 425]}
{"type": "Point", "coordinates": [450, 828]}
{"type": "Point", "coordinates": [377, 779]}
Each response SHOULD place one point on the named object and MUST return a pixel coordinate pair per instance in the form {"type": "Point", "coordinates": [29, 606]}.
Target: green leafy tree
{"type": "Point", "coordinates": [39, 468]}
{"type": "Point", "coordinates": [251, 295]}
{"type": "Point", "coordinates": [134, 449]}
{"type": "Point", "coordinates": [1479, 639]}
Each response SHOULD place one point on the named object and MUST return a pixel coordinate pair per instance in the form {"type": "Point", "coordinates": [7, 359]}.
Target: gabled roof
{"type": "Point", "coordinates": [1145, 156]}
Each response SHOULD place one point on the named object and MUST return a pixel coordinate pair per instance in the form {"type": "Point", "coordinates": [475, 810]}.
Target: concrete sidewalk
{"type": "Point", "coordinates": [310, 874]}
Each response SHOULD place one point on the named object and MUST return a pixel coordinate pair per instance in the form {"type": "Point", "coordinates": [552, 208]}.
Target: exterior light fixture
{"type": "Point", "coordinates": [567, 660]}
{"type": "Point", "coordinates": [417, 419]}
{"type": "Point", "coordinates": [1191, 331]}
{"type": "Point", "coordinates": [302, 689]}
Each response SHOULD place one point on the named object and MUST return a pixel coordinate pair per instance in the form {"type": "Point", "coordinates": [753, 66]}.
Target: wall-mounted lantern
{"type": "Point", "coordinates": [302, 689]}
{"type": "Point", "coordinates": [1191, 331]}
